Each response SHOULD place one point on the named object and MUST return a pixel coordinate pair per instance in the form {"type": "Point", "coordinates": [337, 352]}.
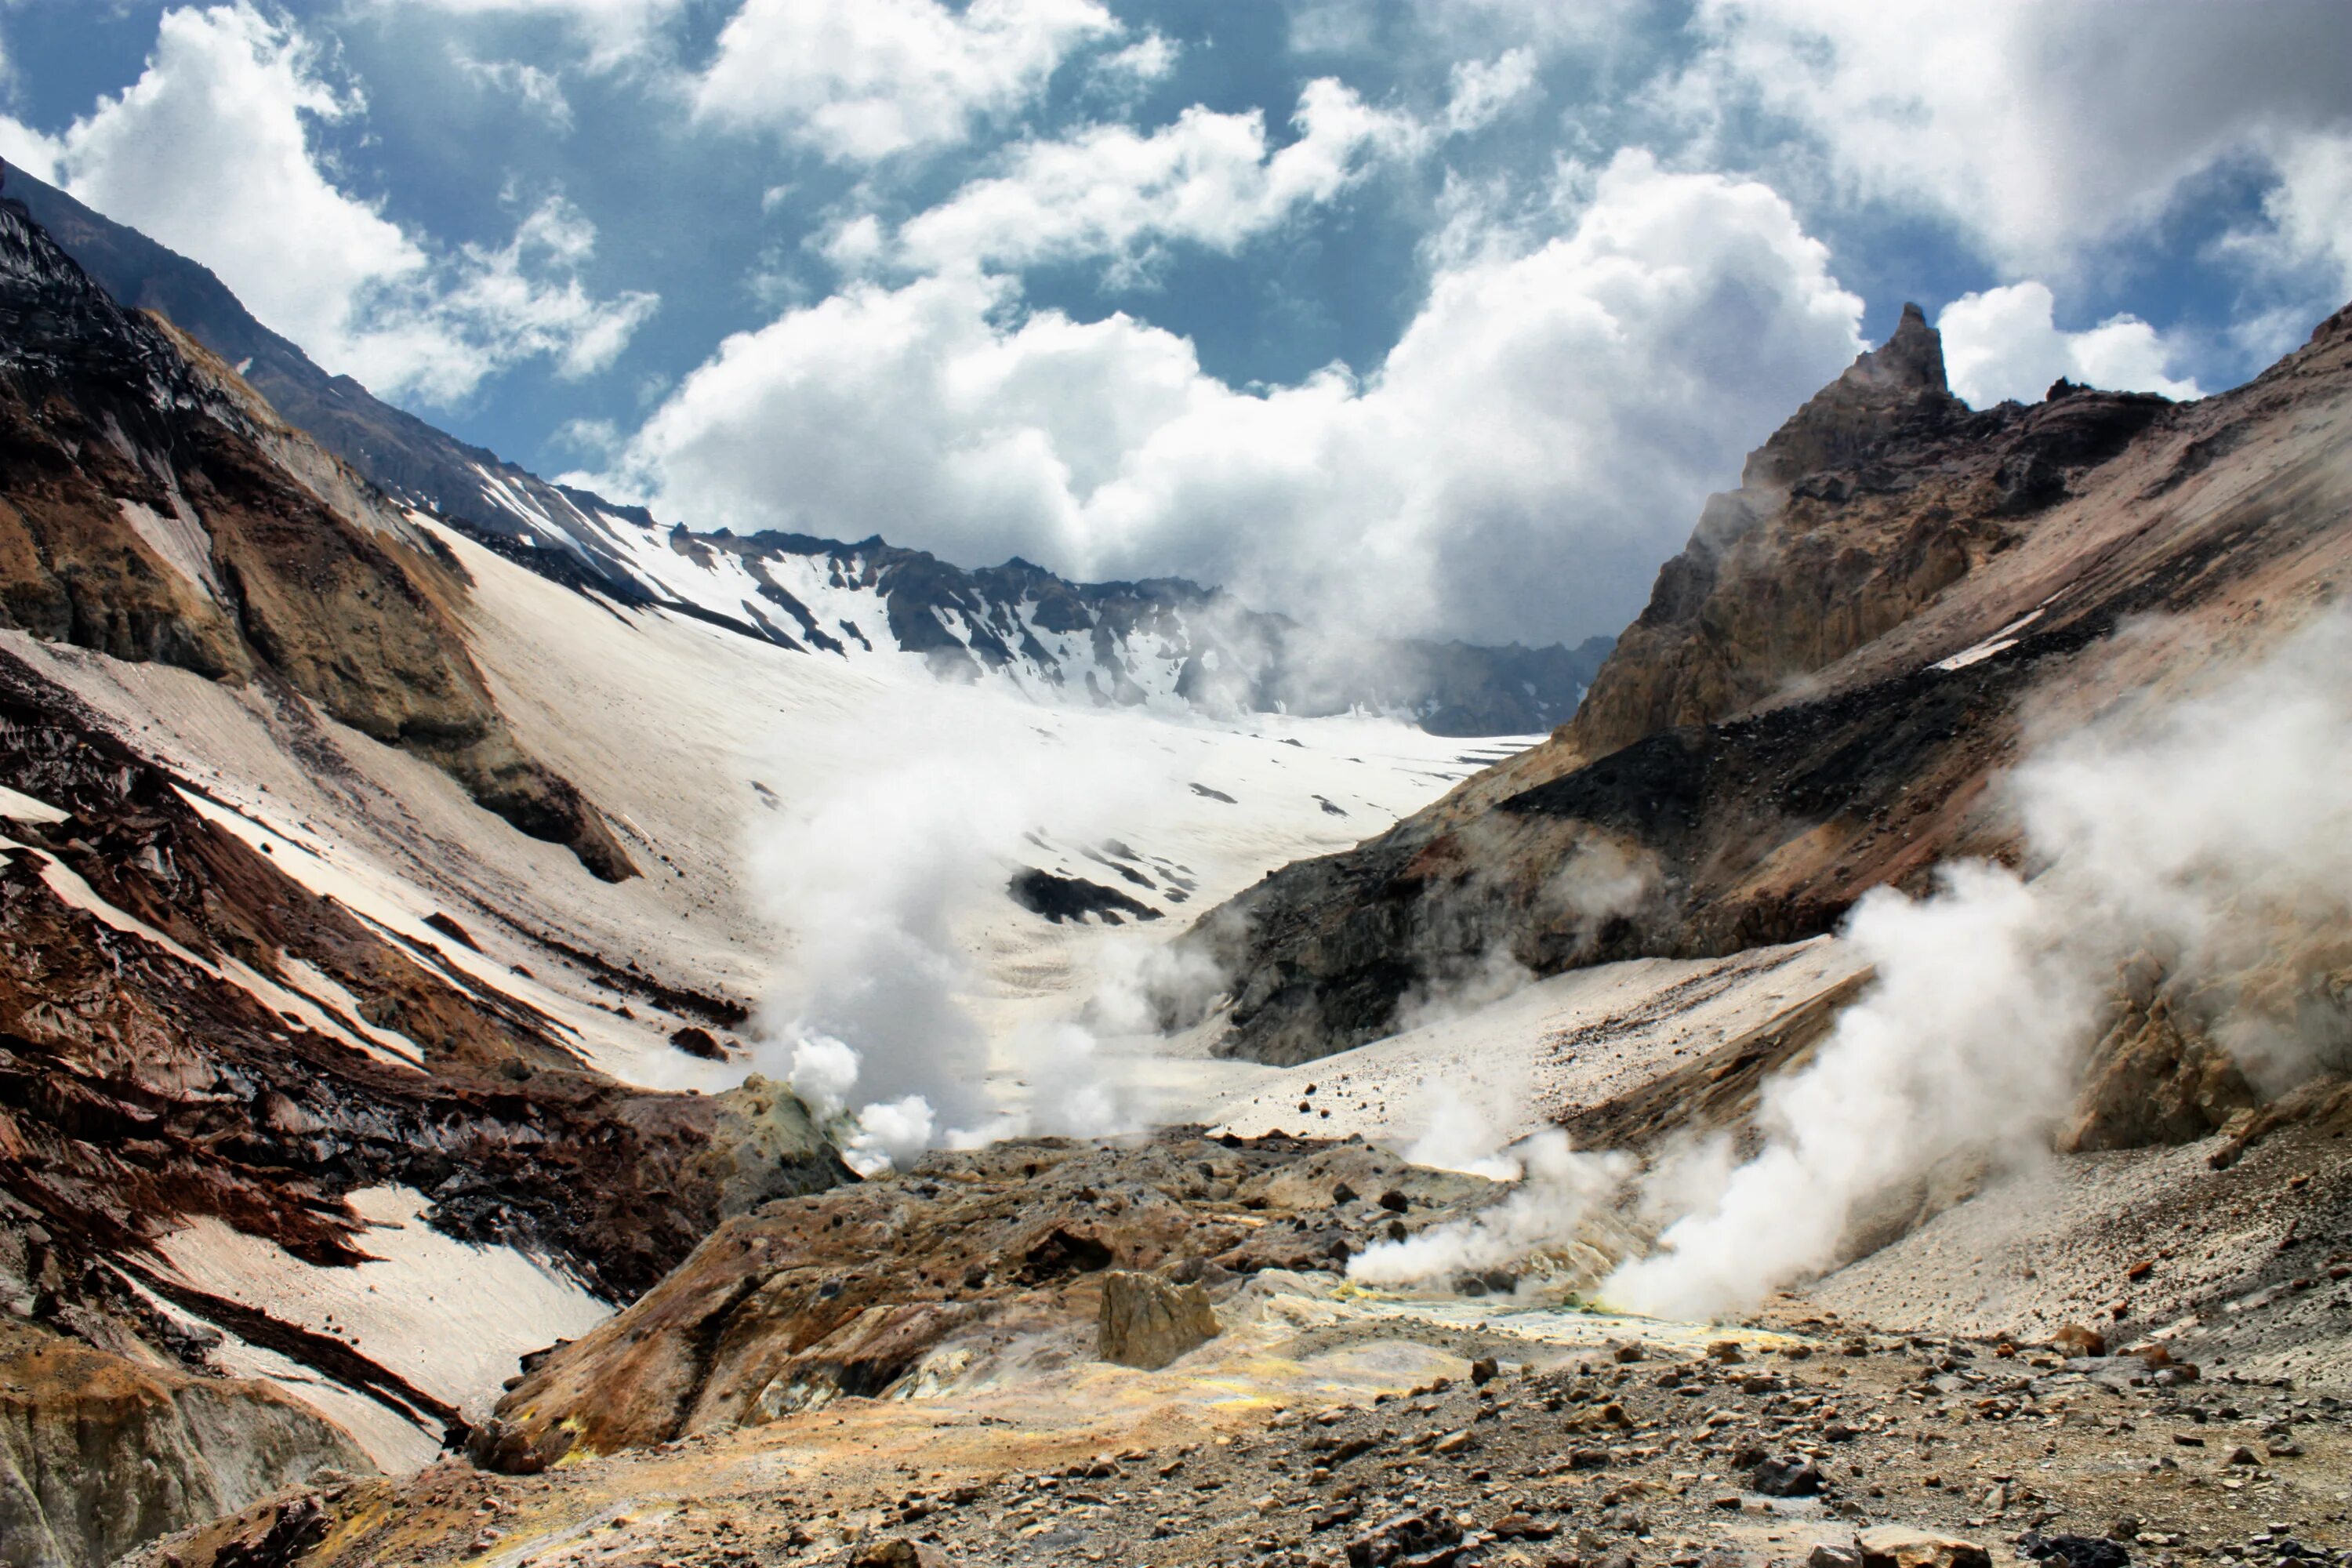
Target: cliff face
{"type": "Point", "coordinates": [100, 1454]}
{"type": "Point", "coordinates": [193, 1042]}
{"type": "Point", "coordinates": [1826, 681]}
{"type": "Point", "coordinates": [152, 507]}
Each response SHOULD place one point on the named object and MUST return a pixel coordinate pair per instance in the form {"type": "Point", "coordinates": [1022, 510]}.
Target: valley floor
{"type": "Point", "coordinates": [1328, 1424]}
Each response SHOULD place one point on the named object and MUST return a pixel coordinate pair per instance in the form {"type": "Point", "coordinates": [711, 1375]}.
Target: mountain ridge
{"type": "Point", "coordinates": [1863, 623]}
{"type": "Point", "coordinates": [926, 603]}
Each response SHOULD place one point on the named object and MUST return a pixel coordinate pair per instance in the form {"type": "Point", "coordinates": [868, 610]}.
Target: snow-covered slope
{"type": "Point", "coordinates": [1163, 644]}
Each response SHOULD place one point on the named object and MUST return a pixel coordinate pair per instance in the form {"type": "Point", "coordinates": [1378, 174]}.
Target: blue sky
{"type": "Point", "coordinates": [1434, 318]}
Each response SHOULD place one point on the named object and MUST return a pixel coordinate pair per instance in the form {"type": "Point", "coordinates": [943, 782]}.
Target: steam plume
{"type": "Point", "coordinates": [2218, 830]}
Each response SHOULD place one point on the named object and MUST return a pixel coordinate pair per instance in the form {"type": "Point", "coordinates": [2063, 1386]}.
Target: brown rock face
{"type": "Point", "coordinates": [99, 1453]}
{"type": "Point", "coordinates": [152, 507]}
{"type": "Point", "coordinates": [906, 1283]}
{"type": "Point", "coordinates": [1827, 684]}
{"type": "Point", "coordinates": [1146, 1323]}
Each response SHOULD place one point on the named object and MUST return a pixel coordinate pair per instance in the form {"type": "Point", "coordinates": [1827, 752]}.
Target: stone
{"type": "Point", "coordinates": [1146, 1323]}
{"type": "Point", "coordinates": [2074, 1340]}
{"type": "Point", "coordinates": [1832, 1555]}
{"type": "Point", "coordinates": [1405, 1538]}
{"type": "Point", "coordinates": [1905, 1546]}
{"type": "Point", "coordinates": [896, 1552]}
{"type": "Point", "coordinates": [2075, 1551]}
{"type": "Point", "coordinates": [1789, 1474]}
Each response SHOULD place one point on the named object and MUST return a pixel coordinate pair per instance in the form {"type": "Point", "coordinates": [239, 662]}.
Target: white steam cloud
{"type": "Point", "coordinates": [884, 873]}
{"type": "Point", "coordinates": [1560, 1193]}
{"type": "Point", "coordinates": [2217, 831]}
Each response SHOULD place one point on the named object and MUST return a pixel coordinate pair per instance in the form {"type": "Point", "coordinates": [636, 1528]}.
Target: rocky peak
{"type": "Point", "coordinates": [1911, 360]}
{"type": "Point", "coordinates": [1893, 389]}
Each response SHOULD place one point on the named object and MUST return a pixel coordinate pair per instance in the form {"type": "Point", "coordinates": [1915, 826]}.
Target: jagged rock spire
{"type": "Point", "coordinates": [1910, 361]}
{"type": "Point", "coordinates": [1902, 378]}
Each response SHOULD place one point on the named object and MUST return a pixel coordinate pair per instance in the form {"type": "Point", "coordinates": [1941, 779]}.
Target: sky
{"type": "Point", "coordinates": [1437, 318]}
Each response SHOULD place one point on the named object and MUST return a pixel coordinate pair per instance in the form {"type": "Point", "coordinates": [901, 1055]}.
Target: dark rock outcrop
{"type": "Point", "coordinates": [895, 1285]}
{"type": "Point", "coordinates": [1145, 1322]}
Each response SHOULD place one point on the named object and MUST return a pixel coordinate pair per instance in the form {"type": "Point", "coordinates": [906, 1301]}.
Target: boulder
{"type": "Point", "coordinates": [1790, 1475]}
{"type": "Point", "coordinates": [1905, 1546]}
{"type": "Point", "coordinates": [896, 1552]}
{"type": "Point", "coordinates": [1146, 1322]}
{"type": "Point", "coordinates": [2074, 1340]}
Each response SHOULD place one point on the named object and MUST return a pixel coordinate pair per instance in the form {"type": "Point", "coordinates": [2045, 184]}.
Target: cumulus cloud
{"type": "Point", "coordinates": [1209, 179]}
{"type": "Point", "coordinates": [1542, 434]}
{"type": "Point", "coordinates": [2004, 343]}
{"type": "Point", "coordinates": [2044, 130]}
{"type": "Point", "coordinates": [22, 147]}
{"type": "Point", "coordinates": [210, 153]}
{"type": "Point", "coordinates": [862, 80]}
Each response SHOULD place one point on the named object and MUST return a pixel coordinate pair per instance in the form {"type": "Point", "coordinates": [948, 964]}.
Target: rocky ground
{"type": "Point", "coordinates": [1498, 1421]}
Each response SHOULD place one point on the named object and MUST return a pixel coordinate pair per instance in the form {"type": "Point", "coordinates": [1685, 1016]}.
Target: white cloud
{"type": "Point", "coordinates": [1107, 190]}
{"type": "Point", "coordinates": [209, 151]}
{"type": "Point", "coordinates": [1542, 436]}
{"type": "Point", "coordinates": [22, 147]}
{"type": "Point", "coordinates": [1151, 57]}
{"type": "Point", "coordinates": [2310, 209]}
{"type": "Point", "coordinates": [2045, 130]}
{"type": "Point", "coordinates": [1485, 91]}
{"type": "Point", "coordinates": [861, 79]}
{"type": "Point", "coordinates": [2005, 343]}
{"type": "Point", "coordinates": [615, 31]}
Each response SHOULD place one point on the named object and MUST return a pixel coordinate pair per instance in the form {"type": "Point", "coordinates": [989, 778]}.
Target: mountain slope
{"type": "Point", "coordinates": [153, 508]}
{"type": "Point", "coordinates": [1166, 642]}
{"type": "Point", "coordinates": [1828, 679]}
